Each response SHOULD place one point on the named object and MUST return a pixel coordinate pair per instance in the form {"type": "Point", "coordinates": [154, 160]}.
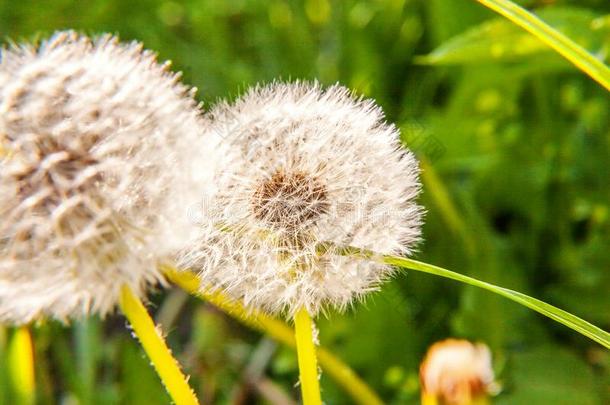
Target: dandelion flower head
{"type": "Point", "coordinates": [93, 136]}
{"type": "Point", "coordinates": [306, 166]}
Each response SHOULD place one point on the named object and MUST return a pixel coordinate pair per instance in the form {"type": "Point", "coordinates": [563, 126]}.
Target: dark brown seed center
{"type": "Point", "coordinates": [290, 200]}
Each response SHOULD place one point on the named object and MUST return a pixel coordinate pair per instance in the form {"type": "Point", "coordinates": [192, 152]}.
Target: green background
{"type": "Point", "coordinates": [516, 150]}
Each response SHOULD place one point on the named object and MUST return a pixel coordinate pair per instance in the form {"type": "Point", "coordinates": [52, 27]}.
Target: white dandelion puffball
{"type": "Point", "coordinates": [94, 135]}
{"type": "Point", "coordinates": [306, 166]}
{"type": "Point", "coordinates": [457, 372]}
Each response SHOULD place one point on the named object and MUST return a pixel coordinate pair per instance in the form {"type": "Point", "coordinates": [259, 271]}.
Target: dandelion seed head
{"type": "Point", "coordinates": [93, 136]}
{"type": "Point", "coordinates": [306, 165]}
{"type": "Point", "coordinates": [289, 200]}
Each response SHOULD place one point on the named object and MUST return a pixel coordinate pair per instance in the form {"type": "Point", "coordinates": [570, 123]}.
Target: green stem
{"type": "Point", "coordinates": [85, 358]}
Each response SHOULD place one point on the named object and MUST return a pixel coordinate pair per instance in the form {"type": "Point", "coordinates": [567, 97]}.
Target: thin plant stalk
{"type": "Point", "coordinates": [336, 369]}
{"type": "Point", "coordinates": [85, 335]}
{"type": "Point", "coordinates": [306, 353]}
{"type": "Point", "coordinates": [21, 366]}
{"type": "Point", "coordinates": [440, 195]}
{"type": "Point", "coordinates": [569, 49]}
{"type": "Point", "coordinates": [159, 354]}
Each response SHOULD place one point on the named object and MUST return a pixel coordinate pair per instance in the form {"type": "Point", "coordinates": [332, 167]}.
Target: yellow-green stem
{"type": "Point", "coordinates": [21, 366]}
{"type": "Point", "coordinates": [431, 399]}
{"type": "Point", "coordinates": [570, 50]}
{"type": "Point", "coordinates": [159, 354]}
{"type": "Point", "coordinates": [306, 353]}
{"type": "Point", "coordinates": [337, 370]}
{"type": "Point", "coordinates": [428, 399]}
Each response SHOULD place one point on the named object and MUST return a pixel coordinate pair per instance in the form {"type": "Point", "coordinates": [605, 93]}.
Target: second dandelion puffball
{"type": "Point", "coordinates": [304, 166]}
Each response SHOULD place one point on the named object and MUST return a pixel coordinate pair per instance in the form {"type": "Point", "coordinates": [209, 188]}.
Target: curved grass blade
{"type": "Point", "coordinates": [556, 40]}
{"type": "Point", "coordinates": [559, 315]}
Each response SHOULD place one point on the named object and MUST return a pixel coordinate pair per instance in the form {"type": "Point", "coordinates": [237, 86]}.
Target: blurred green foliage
{"type": "Point", "coordinates": [515, 136]}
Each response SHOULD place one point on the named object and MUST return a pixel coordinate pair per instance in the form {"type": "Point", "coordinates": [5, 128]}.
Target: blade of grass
{"type": "Point", "coordinates": [279, 331]}
{"type": "Point", "coordinates": [559, 315]}
{"type": "Point", "coordinates": [166, 366]}
{"type": "Point", "coordinates": [556, 40]}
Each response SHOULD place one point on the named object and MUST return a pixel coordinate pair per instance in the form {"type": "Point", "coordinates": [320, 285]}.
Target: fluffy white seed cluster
{"type": "Point", "coordinates": [307, 165]}
{"type": "Point", "coordinates": [97, 140]}
{"type": "Point", "coordinates": [457, 372]}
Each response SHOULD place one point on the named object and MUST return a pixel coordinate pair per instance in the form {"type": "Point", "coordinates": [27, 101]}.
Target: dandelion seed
{"type": "Point", "coordinates": [98, 144]}
{"type": "Point", "coordinates": [306, 166]}
{"type": "Point", "coordinates": [457, 372]}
